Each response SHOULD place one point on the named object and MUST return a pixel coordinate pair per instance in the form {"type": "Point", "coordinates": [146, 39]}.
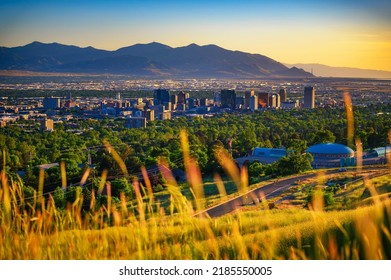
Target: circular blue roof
{"type": "Point", "coordinates": [330, 148]}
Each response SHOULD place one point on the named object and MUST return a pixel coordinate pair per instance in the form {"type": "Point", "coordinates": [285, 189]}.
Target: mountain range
{"type": "Point", "coordinates": [321, 70]}
{"type": "Point", "coordinates": [145, 60]}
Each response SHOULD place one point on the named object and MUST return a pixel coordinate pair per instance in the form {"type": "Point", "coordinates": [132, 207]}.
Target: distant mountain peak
{"type": "Point", "coordinates": [193, 45]}
{"type": "Point", "coordinates": [152, 44]}
{"type": "Point", "coordinates": [35, 43]}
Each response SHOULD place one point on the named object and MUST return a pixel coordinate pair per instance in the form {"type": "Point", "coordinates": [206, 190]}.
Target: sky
{"type": "Point", "coordinates": [334, 32]}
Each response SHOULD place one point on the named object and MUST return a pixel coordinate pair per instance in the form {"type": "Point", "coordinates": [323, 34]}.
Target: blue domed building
{"type": "Point", "coordinates": [330, 155]}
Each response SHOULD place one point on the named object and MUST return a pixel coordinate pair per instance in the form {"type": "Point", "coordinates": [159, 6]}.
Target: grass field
{"type": "Point", "coordinates": [359, 229]}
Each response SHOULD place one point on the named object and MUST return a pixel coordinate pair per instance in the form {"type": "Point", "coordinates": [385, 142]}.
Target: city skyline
{"type": "Point", "coordinates": [336, 33]}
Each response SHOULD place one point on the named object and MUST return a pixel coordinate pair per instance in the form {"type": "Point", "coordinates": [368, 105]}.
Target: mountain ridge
{"type": "Point", "coordinates": [322, 70]}
{"type": "Point", "coordinates": [151, 59]}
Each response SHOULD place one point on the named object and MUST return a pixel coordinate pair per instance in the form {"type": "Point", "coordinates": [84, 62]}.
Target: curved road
{"type": "Point", "coordinates": [267, 191]}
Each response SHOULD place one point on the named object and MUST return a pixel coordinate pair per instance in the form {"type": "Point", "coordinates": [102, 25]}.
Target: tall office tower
{"type": "Point", "coordinates": [309, 97]}
{"type": "Point", "coordinates": [239, 102]}
{"type": "Point", "coordinates": [253, 104]}
{"type": "Point", "coordinates": [263, 99]}
{"type": "Point", "coordinates": [228, 98]}
{"type": "Point", "coordinates": [182, 97]}
{"type": "Point", "coordinates": [51, 103]}
{"type": "Point", "coordinates": [161, 96]}
{"type": "Point", "coordinates": [217, 99]}
{"type": "Point", "coordinates": [247, 96]}
{"type": "Point", "coordinates": [274, 100]}
{"type": "Point", "coordinates": [174, 99]}
{"type": "Point", "coordinates": [283, 95]}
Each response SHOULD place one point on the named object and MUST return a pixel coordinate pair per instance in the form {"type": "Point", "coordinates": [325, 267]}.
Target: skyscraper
{"type": "Point", "coordinates": [309, 97]}
{"type": "Point", "coordinates": [263, 99]}
{"type": "Point", "coordinates": [217, 99]}
{"type": "Point", "coordinates": [283, 94]}
{"type": "Point", "coordinates": [182, 97]}
{"type": "Point", "coordinates": [161, 96]}
{"type": "Point", "coordinates": [247, 96]}
{"type": "Point", "coordinates": [253, 104]}
{"type": "Point", "coordinates": [174, 99]}
{"type": "Point", "coordinates": [228, 98]}
{"type": "Point", "coordinates": [274, 100]}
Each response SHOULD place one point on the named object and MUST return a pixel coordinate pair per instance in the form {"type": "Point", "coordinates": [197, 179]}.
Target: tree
{"type": "Point", "coordinates": [121, 185]}
{"type": "Point", "coordinates": [296, 145]}
{"type": "Point", "coordinates": [293, 164]}
{"type": "Point", "coordinates": [255, 169]}
{"type": "Point", "coordinates": [324, 136]}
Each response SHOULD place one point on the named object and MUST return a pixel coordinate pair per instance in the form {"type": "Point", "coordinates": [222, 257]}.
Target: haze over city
{"type": "Point", "coordinates": [335, 33]}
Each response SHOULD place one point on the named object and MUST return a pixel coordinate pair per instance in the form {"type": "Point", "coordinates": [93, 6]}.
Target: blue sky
{"type": "Point", "coordinates": [337, 33]}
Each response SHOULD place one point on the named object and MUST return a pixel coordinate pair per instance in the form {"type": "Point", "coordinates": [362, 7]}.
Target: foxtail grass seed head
{"type": "Point", "coordinates": [117, 158]}
{"type": "Point", "coordinates": [349, 117]}
{"type": "Point", "coordinates": [63, 175]}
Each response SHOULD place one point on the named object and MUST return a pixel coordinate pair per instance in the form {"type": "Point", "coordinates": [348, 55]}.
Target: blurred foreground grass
{"type": "Point", "coordinates": [38, 230]}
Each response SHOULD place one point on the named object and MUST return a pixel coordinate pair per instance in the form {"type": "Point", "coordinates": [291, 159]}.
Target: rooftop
{"type": "Point", "coordinates": [330, 148]}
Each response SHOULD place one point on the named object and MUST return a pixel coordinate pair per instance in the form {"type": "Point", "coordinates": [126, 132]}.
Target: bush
{"type": "Point", "coordinates": [325, 195]}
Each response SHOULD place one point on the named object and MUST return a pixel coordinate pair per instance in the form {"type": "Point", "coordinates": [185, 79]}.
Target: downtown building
{"type": "Point", "coordinates": [247, 97]}
{"type": "Point", "coordinates": [263, 100]}
{"type": "Point", "coordinates": [161, 96]}
{"type": "Point", "coordinates": [309, 97]}
{"type": "Point", "coordinates": [283, 95]}
{"type": "Point", "coordinates": [46, 125]}
{"type": "Point", "coordinates": [51, 103]}
{"type": "Point", "coordinates": [228, 98]}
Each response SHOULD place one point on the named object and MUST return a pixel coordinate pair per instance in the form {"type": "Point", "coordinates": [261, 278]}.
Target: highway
{"type": "Point", "coordinates": [266, 191]}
